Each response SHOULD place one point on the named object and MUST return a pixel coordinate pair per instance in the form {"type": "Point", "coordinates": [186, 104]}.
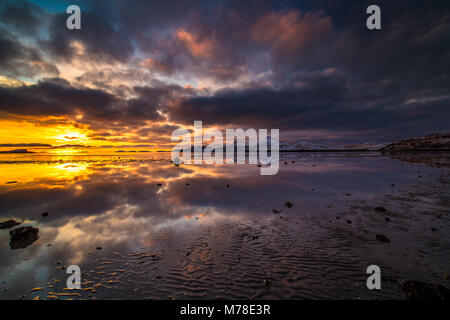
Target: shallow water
{"type": "Point", "coordinates": [196, 237]}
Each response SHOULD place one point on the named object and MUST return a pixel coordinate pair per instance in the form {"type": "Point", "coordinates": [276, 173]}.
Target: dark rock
{"type": "Point", "coordinates": [276, 211]}
{"type": "Point", "coordinates": [349, 221]}
{"type": "Point", "coordinates": [433, 229]}
{"type": "Point", "coordinates": [8, 224]}
{"type": "Point", "coordinates": [22, 237]}
{"type": "Point", "coordinates": [45, 214]}
{"type": "Point", "coordinates": [267, 282]}
{"type": "Point", "coordinates": [11, 182]}
{"type": "Point", "coordinates": [380, 209]}
{"type": "Point", "coordinates": [424, 291]}
{"type": "Point", "coordinates": [382, 238]}
{"type": "Point", "coordinates": [228, 185]}
{"type": "Point", "coordinates": [288, 205]}
{"type": "Point", "coordinates": [438, 142]}
{"type": "Point", "coordinates": [387, 219]}
{"type": "Point", "coordinates": [98, 248]}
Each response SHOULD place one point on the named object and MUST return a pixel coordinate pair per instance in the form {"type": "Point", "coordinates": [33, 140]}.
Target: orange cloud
{"type": "Point", "coordinates": [158, 66]}
{"type": "Point", "coordinates": [291, 31]}
{"type": "Point", "coordinates": [198, 48]}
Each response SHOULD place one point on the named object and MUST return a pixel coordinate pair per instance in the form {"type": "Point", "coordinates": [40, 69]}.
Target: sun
{"type": "Point", "coordinates": [73, 137]}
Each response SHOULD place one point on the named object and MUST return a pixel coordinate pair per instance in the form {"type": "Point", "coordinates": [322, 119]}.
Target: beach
{"type": "Point", "coordinates": [141, 228]}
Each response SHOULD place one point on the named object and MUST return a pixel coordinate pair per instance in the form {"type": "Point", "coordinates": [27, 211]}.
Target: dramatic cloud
{"type": "Point", "coordinates": [138, 69]}
{"type": "Point", "coordinates": [57, 97]}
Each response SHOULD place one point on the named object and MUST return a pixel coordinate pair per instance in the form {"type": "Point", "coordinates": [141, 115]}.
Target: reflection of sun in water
{"type": "Point", "coordinates": [71, 168]}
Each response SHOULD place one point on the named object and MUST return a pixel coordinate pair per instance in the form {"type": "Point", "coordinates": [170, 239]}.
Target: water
{"type": "Point", "coordinates": [212, 232]}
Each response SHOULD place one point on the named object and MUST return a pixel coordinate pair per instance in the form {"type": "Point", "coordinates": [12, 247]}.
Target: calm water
{"type": "Point", "coordinates": [212, 232]}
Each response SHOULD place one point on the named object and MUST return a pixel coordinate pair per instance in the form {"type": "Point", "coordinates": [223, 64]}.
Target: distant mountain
{"type": "Point", "coordinates": [437, 142]}
{"type": "Point", "coordinates": [365, 146]}
{"type": "Point", "coordinates": [17, 151]}
{"type": "Point", "coordinates": [303, 145]}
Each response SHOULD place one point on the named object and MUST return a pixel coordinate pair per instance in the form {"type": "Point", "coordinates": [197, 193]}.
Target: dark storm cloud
{"type": "Point", "coordinates": [57, 97]}
{"type": "Point", "coordinates": [24, 17]}
{"type": "Point", "coordinates": [323, 102]}
{"type": "Point", "coordinates": [100, 40]}
{"type": "Point", "coordinates": [383, 81]}
{"type": "Point", "coordinates": [17, 59]}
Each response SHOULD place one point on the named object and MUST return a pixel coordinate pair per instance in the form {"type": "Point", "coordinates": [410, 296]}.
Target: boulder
{"type": "Point", "coordinates": [22, 237]}
{"type": "Point", "coordinates": [8, 224]}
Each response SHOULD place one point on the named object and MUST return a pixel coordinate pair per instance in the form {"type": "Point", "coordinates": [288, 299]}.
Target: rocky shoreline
{"type": "Point", "coordinates": [433, 142]}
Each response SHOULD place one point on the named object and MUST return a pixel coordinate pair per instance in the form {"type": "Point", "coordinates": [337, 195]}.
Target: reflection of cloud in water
{"type": "Point", "coordinates": [119, 206]}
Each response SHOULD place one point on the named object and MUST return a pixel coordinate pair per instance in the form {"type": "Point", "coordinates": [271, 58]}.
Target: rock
{"type": "Point", "coordinates": [382, 238]}
{"type": "Point", "coordinates": [276, 211]}
{"type": "Point", "coordinates": [22, 237]}
{"type": "Point", "coordinates": [288, 205]}
{"type": "Point", "coordinates": [98, 248]}
{"type": "Point", "coordinates": [8, 224]}
{"type": "Point", "coordinates": [349, 221]}
{"type": "Point", "coordinates": [433, 229]}
{"type": "Point", "coordinates": [380, 209]}
{"type": "Point", "coordinates": [424, 291]}
{"type": "Point", "coordinates": [437, 142]}
{"type": "Point", "coordinates": [11, 182]}
{"type": "Point", "coordinates": [228, 185]}
{"type": "Point", "coordinates": [159, 184]}
{"type": "Point", "coordinates": [267, 282]}
{"type": "Point", "coordinates": [45, 214]}
{"type": "Point", "coordinates": [387, 219]}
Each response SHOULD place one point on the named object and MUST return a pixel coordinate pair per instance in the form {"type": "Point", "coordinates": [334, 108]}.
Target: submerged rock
{"type": "Point", "coordinates": [288, 205]}
{"type": "Point", "coordinates": [267, 282]}
{"type": "Point", "coordinates": [22, 237]}
{"type": "Point", "coordinates": [382, 238]}
{"type": "Point", "coordinates": [424, 291]}
{"type": "Point", "coordinates": [8, 224]}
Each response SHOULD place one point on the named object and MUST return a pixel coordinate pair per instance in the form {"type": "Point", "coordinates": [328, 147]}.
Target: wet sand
{"type": "Point", "coordinates": [141, 228]}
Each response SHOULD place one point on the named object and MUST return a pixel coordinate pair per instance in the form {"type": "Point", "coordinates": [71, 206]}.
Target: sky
{"type": "Point", "coordinates": [138, 70]}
